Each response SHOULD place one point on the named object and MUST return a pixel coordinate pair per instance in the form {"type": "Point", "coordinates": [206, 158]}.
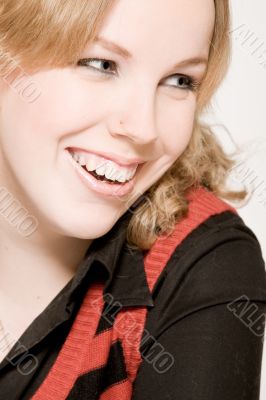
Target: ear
{"type": "Point", "coordinates": [6, 79]}
{"type": "Point", "coordinates": [3, 89]}
{"type": "Point", "coordinates": [3, 79]}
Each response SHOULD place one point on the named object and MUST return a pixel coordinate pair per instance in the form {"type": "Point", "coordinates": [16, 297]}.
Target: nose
{"type": "Point", "coordinates": [135, 118]}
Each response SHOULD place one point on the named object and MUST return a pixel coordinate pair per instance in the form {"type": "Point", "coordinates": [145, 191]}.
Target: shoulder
{"type": "Point", "coordinates": [218, 261]}
{"type": "Point", "coordinates": [202, 317]}
{"type": "Point", "coordinates": [221, 256]}
{"type": "Point", "coordinates": [213, 239]}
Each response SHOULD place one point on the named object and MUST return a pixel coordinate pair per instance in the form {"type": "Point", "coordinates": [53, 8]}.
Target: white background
{"type": "Point", "coordinates": [238, 116]}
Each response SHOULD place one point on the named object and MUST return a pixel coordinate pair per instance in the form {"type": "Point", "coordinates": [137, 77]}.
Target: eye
{"type": "Point", "coordinates": [185, 82]}
{"type": "Point", "coordinates": [103, 64]}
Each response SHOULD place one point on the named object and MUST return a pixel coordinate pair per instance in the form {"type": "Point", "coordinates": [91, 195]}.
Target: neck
{"type": "Point", "coordinates": [34, 269]}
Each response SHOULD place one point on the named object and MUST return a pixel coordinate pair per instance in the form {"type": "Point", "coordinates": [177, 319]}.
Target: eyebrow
{"type": "Point", "coordinates": [109, 45]}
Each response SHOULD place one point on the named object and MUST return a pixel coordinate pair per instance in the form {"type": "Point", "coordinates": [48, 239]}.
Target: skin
{"type": "Point", "coordinates": [81, 107]}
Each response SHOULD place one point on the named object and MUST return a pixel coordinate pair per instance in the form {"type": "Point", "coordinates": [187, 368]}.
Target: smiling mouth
{"type": "Point", "coordinates": [103, 178]}
{"type": "Point", "coordinates": [99, 183]}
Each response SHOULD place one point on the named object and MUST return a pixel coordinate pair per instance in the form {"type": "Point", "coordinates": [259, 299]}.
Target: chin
{"type": "Point", "coordinates": [84, 227]}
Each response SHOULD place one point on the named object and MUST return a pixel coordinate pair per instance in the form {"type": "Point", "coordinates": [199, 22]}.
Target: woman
{"type": "Point", "coordinates": [111, 204]}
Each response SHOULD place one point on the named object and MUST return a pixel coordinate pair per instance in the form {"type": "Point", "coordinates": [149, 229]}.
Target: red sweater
{"type": "Point", "coordinates": [99, 333]}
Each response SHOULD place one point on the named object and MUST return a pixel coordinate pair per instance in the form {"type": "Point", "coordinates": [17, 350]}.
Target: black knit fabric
{"type": "Point", "coordinates": [217, 354]}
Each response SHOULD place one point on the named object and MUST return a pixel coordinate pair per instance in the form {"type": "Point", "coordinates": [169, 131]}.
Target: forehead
{"type": "Point", "coordinates": [161, 25]}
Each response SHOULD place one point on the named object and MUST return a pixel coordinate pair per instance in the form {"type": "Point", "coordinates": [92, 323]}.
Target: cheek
{"type": "Point", "coordinates": [63, 107]}
{"type": "Point", "coordinates": [68, 103]}
{"type": "Point", "coordinates": [177, 126]}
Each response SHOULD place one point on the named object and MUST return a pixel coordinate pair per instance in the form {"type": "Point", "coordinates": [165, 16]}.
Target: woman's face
{"type": "Point", "coordinates": [147, 88]}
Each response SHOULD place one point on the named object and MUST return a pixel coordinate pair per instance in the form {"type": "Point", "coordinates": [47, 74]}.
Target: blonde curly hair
{"type": "Point", "coordinates": [54, 33]}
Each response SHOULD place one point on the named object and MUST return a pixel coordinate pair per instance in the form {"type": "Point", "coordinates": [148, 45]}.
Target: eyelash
{"type": "Point", "coordinates": [192, 85]}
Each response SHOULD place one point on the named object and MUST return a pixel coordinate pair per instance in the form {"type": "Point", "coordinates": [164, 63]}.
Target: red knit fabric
{"type": "Point", "coordinates": [85, 350]}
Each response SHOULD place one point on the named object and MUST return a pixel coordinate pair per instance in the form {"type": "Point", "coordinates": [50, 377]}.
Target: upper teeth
{"type": "Point", "coordinates": [105, 167]}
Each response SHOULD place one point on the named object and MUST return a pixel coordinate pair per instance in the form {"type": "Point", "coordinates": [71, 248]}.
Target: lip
{"type": "Point", "coordinates": [113, 190]}
{"type": "Point", "coordinates": [120, 160]}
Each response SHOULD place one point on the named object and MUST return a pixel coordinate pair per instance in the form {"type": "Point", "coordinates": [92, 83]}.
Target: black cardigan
{"type": "Point", "coordinates": [192, 311]}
